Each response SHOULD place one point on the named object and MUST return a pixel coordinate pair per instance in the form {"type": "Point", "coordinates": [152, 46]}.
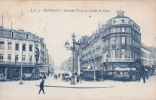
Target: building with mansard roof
{"type": "Point", "coordinates": [117, 44]}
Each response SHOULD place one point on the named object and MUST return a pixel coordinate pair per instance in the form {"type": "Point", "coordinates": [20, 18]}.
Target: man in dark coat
{"type": "Point", "coordinates": [42, 86]}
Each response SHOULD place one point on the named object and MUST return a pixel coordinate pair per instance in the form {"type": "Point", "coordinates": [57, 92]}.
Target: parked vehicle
{"type": "Point", "coordinates": [65, 77]}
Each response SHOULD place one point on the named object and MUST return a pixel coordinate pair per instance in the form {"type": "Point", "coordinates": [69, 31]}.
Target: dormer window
{"type": "Point", "coordinates": [114, 21]}
{"type": "Point", "coordinates": [12, 34]}
{"type": "Point", "coordinates": [122, 20]}
{"type": "Point", "coordinates": [26, 36]}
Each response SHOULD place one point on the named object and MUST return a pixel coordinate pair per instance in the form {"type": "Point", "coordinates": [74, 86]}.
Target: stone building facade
{"type": "Point", "coordinates": [21, 50]}
{"type": "Point", "coordinates": [115, 44]}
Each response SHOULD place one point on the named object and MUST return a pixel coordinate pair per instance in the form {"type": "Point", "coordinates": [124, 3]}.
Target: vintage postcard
{"type": "Point", "coordinates": [78, 50]}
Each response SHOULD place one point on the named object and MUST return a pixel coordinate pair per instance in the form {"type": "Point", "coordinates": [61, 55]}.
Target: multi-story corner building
{"type": "Point", "coordinates": [20, 50]}
{"type": "Point", "coordinates": [114, 46]}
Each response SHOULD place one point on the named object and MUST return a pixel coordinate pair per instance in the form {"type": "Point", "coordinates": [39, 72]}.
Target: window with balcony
{"type": "Point", "coordinates": [114, 29]}
{"type": "Point", "coordinates": [114, 21]}
{"type": "Point", "coordinates": [123, 29]}
{"type": "Point", "coordinates": [16, 58]}
{"type": "Point", "coordinates": [24, 47]}
{"type": "Point", "coordinates": [30, 47]}
{"type": "Point", "coordinates": [123, 40]}
{"type": "Point", "coordinates": [1, 57]}
{"type": "Point", "coordinates": [118, 29]}
{"type": "Point", "coordinates": [23, 58]}
{"type": "Point", "coordinates": [106, 42]}
{"type": "Point", "coordinates": [127, 29]}
{"type": "Point", "coordinates": [113, 40]}
{"type": "Point", "coordinates": [2, 45]}
{"type": "Point", "coordinates": [113, 53]}
{"type": "Point", "coordinates": [123, 53]}
{"type": "Point", "coordinates": [9, 45]}
{"type": "Point", "coordinates": [130, 40]}
{"type": "Point", "coordinates": [9, 57]}
{"type": "Point", "coordinates": [30, 58]}
{"type": "Point", "coordinates": [17, 46]}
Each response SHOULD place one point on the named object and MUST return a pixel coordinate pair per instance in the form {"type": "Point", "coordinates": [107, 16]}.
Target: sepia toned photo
{"type": "Point", "coordinates": [77, 50]}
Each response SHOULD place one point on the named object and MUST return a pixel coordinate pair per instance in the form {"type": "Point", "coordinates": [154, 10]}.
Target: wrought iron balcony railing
{"type": "Point", "coordinates": [17, 63]}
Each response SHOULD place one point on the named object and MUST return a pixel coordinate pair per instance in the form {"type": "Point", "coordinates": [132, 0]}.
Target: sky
{"type": "Point", "coordinates": [81, 17]}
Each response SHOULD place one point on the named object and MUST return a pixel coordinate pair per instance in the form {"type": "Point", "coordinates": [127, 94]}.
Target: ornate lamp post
{"type": "Point", "coordinates": [73, 48]}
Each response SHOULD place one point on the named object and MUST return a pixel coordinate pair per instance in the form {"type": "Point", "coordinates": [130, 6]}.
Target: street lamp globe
{"type": "Point", "coordinates": [67, 44]}
{"type": "Point", "coordinates": [73, 36]}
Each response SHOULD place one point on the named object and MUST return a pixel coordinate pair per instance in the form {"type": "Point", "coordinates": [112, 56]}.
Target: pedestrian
{"type": "Point", "coordinates": [124, 78]}
{"type": "Point", "coordinates": [147, 76]}
{"type": "Point", "coordinates": [77, 79]}
{"type": "Point", "coordinates": [144, 80]}
{"type": "Point", "coordinates": [139, 77]}
{"type": "Point", "coordinates": [59, 75]}
{"type": "Point", "coordinates": [42, 87]}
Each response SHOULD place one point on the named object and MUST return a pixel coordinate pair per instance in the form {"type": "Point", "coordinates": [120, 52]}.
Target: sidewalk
{"type": "Point", "coordinates": [50, 82]}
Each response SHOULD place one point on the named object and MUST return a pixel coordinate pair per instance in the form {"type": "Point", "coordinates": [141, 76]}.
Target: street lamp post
{"type": "Point", "coordinates": [94, 78]}
{"type": "Point", "coordinates": [21, 82]}
{"type": "Point", "coordinates": [73, 49]}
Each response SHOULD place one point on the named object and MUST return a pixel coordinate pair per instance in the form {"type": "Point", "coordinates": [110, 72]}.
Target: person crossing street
{"type": "Point", "coordinates": [42, 87]}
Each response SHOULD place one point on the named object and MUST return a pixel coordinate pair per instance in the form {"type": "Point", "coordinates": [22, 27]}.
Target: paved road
{"type": "Point", "coordinates": [120, 91]}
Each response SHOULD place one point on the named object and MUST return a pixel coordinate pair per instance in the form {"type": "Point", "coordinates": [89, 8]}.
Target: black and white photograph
{"type": "Point", "coordinates": [78, 50]}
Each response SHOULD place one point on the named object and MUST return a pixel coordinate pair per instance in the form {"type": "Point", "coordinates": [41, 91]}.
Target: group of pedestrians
{"type": "Point", "coordinates": [143, 76]}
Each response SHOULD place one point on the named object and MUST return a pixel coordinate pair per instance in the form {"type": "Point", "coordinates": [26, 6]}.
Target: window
{"type": "Point", "coordinates": [1, 57]}
{"type": "Point", "coordinates": [9, 45]}
{"type": "Point", "coordinates": [130, 41]}
{"type": "Point", "coordinates": [1, 45]}
{"type": "Point", "coordinates": [122, 20]}
{"type": "Point", "coordinates": [26, 36]}
{"type": "Point", "coordinates": [127, 54]}
{"type": "Point", "coordinates": [16, 58]}
{"type": "Point", "coordinates": [113, 40]}
{"type": "Point", "coordinates": [30, 47]}
{"type": "Point", "coordinates": [9, 56]}
{"type": "Point", "coordinates": [30, 58]}
{"type": "Point", "coordinates": [106, 42]}
{"type": "Point", "coordinates": [127, 30]}
{"type": "Point", "coordinates": [16, 46]}
{"type": "Point", "coordinates": [123, 29]}
{"type": "Point", "coordinates": [118, 29]}
{"type": "Point", "coordinates": [12, 34]}
{"type": "Point", "coordinates": [23, 57]}
{"type": "Point", "coordinates": [24, 47]}
{"type": "Point", "coordinates": [113, 53]}
{"type": "Point", "coordinates": [123, 40]}
{"type": "Point", "coordinates": [114, 21]}
{"type": "Point", "coordinates": [123, 53]}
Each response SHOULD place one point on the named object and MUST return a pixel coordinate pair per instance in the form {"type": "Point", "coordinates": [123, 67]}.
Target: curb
{"type": "Point", "coordinates": [75, 87]}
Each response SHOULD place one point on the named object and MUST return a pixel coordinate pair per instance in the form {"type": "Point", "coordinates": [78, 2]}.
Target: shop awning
{"type": "Point", "coordinates": [124, 69]}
